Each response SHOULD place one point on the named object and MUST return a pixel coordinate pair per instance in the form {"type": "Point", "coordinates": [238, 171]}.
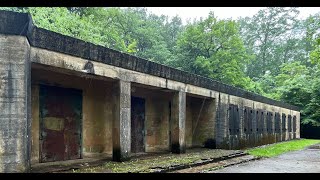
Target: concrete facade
{"type": "Point", "coordinates": [14, 104]}
{"type": "Point", "coordinates": [181, 110]}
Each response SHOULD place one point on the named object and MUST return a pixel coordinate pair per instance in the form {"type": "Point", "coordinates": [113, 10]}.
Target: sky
{"type": "Point", "coordinates": [220, 12]}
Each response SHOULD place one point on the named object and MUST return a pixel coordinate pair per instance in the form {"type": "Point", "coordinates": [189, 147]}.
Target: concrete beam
{"type": "Point", "coordinates": [15, 104]}
{"type": "Point", "coordinates": [178, 122]}
{"type": "Point", "coordinates": [121, 131]}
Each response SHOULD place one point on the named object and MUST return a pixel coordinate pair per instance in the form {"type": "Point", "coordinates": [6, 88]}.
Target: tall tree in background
{"type": "Point", "coordinates": [264, 35]}
{"type": "Point", "coordinates": [213, 48]}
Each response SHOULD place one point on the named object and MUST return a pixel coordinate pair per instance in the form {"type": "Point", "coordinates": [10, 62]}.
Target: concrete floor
{"type": "Point", "coordinates": [303, 161]}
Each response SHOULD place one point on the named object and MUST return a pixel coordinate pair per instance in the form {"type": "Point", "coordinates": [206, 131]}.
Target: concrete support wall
{"type": "Point", "coordinates": [157, 125]}
{"type": "Point", "coordinates": [222, 125]}
{"type": "Point", "coordinates": [178, 122]}
{"type": "Point", "coordinates": [262, 121]}
{"type": "Point", "coordinates": [14, 104]}
{"type": "Point", "coordinates": [121, 132]}
{"type": "Point", "coordinates": [298, 125]}
{"type": "Point", "coordinates": [157, 130]}
{"type": "Point", "coordinates": [97, 119]}
{"type": "Point", "coordinates": [189, 123]}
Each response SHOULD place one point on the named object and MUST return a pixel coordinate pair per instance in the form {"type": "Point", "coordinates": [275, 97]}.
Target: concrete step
{"type": "Point", "coordinates": [198, 163]}
{"type": "Point", "coordinates": [208, 168]}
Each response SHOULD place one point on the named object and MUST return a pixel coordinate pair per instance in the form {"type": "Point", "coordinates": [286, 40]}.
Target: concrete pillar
{"type": "Point", "coordinates": [15, 104]}
{"type": "Point", "coordinates": [285, 122]}
{"type": "Point", "coordinates": [121, 131]}
{"type": "Point", "coordinates": [218, 124]}
{"type": "Point", "coordinates": [178, 121]}
{"type": "Point", "coordinates": [298, 125]}
{"type": "Point", "coordinates": [222, 122]}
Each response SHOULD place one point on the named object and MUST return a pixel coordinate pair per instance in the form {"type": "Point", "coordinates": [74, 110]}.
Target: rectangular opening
{"type": "Point", "coordinates": [248, 120]}
{"type": "Point", "coordinates": [251, 120]}
{"type": "Point", "coordinates": [277, 122]}
{"type": "Point", "coordinates": [157, 103]}
{"type": "Point", "coordinates": [269, 122]}
{"type": "Point", "coordinates": [294, 124]}
{"type": "Point", "coordinates": [234, 121]}
{"type": "Point", "coordinates": [260, 121]}
{"type": "Point", "coordinates": [200, 121]}
{"type": "Point", "coordinates": [245, 120]}
{"type": "Point", "coordinates": [290, 123]}
{"type": "Point", "coordinates": [284, 119]}
{"type": "Point", "coordinates": [90, 96]}
{"type": "Point", "coordinates": [137, 124]}
{"type": "Point", "coordinates": [60, 123]}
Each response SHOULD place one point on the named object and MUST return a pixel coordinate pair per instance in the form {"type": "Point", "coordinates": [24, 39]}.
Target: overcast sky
{"type": "Point", "coordinates": [220, 12]}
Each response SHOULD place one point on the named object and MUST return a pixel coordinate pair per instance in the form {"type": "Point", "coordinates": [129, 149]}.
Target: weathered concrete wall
{"type": "Point", "coordinates": [189, 119]}
{"type": "Point", "coordinates": [121, 132]}
{"type": "Point", "coordinates": [297, 124]}
{"type": "Point", "coordinates": [97, 110]}
{"type": "Point", "coordinates": [14, 103]}
{"type": "Point", "coordinates": [223, 101]}
{"type": "Point", "coordinates": [35, 124]}
{"type": "Point", "coordinates": [157, 112]}
{"type": "Point", "coordinates": [200, 121]}
{"type": "Point", "coordinates": [263, 123]}
{"type": "Point", "coordinates": [97, 122]}
{"type": "Point", "coordinates": [178, 122]}
{"type": "Point", "coordinates": [222, 122]}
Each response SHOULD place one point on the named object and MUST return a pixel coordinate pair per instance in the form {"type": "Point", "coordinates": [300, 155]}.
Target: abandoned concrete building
{"type": "Point", "coordinates": [62, 98]}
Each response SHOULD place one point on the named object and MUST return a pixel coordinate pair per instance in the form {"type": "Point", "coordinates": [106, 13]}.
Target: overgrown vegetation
{"type": "Point", "coordinates": [157, 162]}
{"type": "Point", "coordinates": [280, 148]}
{"type": "Point", "coordinates": [272, 53]}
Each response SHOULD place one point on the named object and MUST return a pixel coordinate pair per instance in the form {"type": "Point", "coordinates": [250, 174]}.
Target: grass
{"type": "Point", "coordinates": [150, 164]}
{"type": "Point", "coordinates": [280, 148]}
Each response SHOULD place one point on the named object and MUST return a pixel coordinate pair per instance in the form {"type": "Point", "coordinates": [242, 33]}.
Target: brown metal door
{"type": "Point", "coordinates": [137, 124]}
{"type": "Point", "coordinates": [60, 123]}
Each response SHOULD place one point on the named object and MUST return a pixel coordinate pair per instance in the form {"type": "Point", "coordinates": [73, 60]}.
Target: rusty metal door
{"type": "Point", "coordinates": [137, 124]}
{"type": "Point", "coordinates": [60, 123]}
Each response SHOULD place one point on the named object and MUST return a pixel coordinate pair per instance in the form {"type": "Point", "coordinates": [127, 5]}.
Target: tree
{"type": "Point", "coordinates": [315, 54]}
{"type": "Point", "coordinates": [264, 35]}
{"type": "Point", "coordinates": [213, 48]}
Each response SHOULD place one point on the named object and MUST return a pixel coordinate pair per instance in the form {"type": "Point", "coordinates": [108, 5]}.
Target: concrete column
{"type": "Point", "coordinates": [222, 122]}
{"type": "Point", "coordinates": [178, 122]}
{"type": "Point", "coordinates": [286, 134]}
{"type": "Point", "coordinates": [15, 104]}
{"type": "Point", "coordinates": [298, 125]}
{"type": "Point", "coordinates": [121, 131]}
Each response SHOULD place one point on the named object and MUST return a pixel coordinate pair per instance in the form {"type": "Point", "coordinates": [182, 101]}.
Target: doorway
{"type": "Point", "coordinates": [60, 123]}
{"type": "Point", "coordinates": [137, 124]}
